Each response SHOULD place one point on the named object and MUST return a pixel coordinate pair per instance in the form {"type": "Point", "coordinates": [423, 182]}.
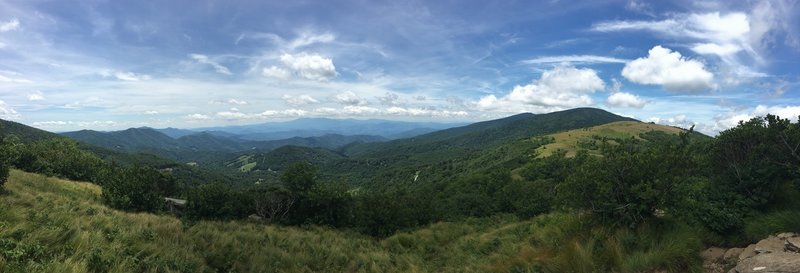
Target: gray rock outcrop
{"type": "Point", "coordinates": [775, 254]}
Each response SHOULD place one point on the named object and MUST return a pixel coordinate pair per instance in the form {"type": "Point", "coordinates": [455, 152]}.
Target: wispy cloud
{"type": "Point", "coordinates": [574, 59]}
{"type": "Point", "coordinates": [124, 75]}
{"type": "Point", "coordinates": [303, 39]}
{"type": "Point", "coordinates": [203, 59]}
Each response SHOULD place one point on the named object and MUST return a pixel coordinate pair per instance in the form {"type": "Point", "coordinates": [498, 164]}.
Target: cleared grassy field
{"type": "Point", "coordinates": [573, 140]}
{"type": "Point", "coordinates": [54, 225]}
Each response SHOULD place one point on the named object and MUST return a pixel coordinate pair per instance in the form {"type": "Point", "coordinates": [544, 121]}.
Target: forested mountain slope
{"type": "Point", "coordinates": [25, 133]}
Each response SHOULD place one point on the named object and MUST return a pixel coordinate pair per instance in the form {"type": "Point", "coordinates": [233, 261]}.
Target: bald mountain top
{"type": "Point", "coordinates": [589, 138]}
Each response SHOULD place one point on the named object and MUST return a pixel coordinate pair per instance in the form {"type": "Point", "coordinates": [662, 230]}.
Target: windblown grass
{"type": "Point", "coordinates": [53, 225]}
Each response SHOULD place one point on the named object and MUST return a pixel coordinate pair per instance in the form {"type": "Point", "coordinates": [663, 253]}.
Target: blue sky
{"type": "Point", "coordinates": [67, 65]}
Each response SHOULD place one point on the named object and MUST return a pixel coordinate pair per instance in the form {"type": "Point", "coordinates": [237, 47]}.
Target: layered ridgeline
{"type": "Point", "coordinates": [309, 127]}
{"type": "Point", "coordinates": [187, 147]}
{"type": "Point", "coordinates": [444, 154]}
{"type": "Point", "coordinates": [580, 190]}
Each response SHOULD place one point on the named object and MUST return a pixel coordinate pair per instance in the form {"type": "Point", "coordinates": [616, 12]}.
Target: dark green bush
{"type": "Point", "coordinates": [218, 201]}
{"type": "Point", "coordinates": [134, 189]}
{"type": "Point", "coordinates": [3, 174]}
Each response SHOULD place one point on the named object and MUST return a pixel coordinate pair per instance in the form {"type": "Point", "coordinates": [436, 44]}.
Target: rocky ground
{"type": "Point", "coordinates": [776, 254]}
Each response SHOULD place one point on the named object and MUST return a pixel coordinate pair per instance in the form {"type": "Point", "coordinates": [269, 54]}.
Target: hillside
{"type": "Point", "coordinates": [454, 152]}
{"type": "Point", "coordinates": [589, 138]}
{"type": "Point", "coordinates": [26, 134]}
{"type": "Point", "coordinates": [481, 135]}
{"type": "Point", "coordinates": [125, 140]}
{"type": "Point", "coordinates": [53, 225]}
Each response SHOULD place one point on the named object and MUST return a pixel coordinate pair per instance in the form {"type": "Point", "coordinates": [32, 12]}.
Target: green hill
{"type": "Point", "coordinates": [26, 134]}
{"type": "Point", "coordinates": [450, 153]}
{"type": "Point", "coordinates": [589, 138]}
{"type": "Point", "coordinates": [482, 135]}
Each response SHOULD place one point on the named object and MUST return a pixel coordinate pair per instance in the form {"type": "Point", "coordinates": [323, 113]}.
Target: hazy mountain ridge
{"type": "Point", "coordinates": [309, 127]}
{"type": "Point", "coordinates": [148, 139]}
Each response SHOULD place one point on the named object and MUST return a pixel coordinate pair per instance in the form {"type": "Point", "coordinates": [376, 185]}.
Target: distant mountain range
{"type": "Point", "coordinates": [315, 133]}
{"type": "Point", "coordinates": [447, 153]}
{"type": "Point", "coordinates": [312, 127]}
{"type": "Point", "coordinates": [157, 142]}
{"type": "Point", "coordinates": [501, 144]}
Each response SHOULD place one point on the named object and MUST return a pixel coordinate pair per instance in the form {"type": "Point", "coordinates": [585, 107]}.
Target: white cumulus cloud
{"type": "Point", "coordinates": [559, 88]}
{"type": "Point", "coordinates": [312, 67]}
{"type": "Point", "coordinates": [36, 96]}
{"type": "Point", "coordinates": [349, 98]}
{"type": "Point", "coordinates": [624, 99]}
{"type": "Point", "coordinates": [739, 39]}
{"type": "Point", "coordinates": [669, 69]}
{"type": "Point", "coordinates": [729, 120]}
{"type": "Point", "coordinates": [12, 24]}
{"type": "Point", "coordinates": [197, 117]}
{"type": "Point", "coordinates": [276, 72]}
{"type": "Point", "coordinates": [390, 99]}
{"type": "Point", "coordinates": [283, 113]}
{"type": "Point", "coordinates": [232, 115]}
{"type": "Point", "coordinates": [6, 112]}
{"type": "Point", "coordinates": [402, 111]}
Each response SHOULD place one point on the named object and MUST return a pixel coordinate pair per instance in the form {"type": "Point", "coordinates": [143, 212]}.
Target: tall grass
{"type": "Point", "coordinates": [53, 225]}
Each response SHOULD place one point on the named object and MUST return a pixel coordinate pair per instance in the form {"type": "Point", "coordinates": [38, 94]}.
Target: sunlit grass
{"type": "Point", "coordinates": [569, 141]}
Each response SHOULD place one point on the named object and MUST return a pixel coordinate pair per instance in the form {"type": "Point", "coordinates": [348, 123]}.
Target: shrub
{"type": "Point", "coordinates": [217, 201]}
{"type": "Point", "coordinates": [632, 181]}
{"type": "Point", "coordinates": [133, 189]}
{"type": "Point", "coordinates": [3, 174]}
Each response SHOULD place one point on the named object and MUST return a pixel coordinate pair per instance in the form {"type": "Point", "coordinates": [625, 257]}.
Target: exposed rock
{"type": "Point", "coordinates": [775, 254]}
{"type": "Point", "coordinates": [748, 252]}
{"type": "Point", "coordinates": [769, 245]}
{"type": "Point", "coordinates": [732, 254]}
{"type": "Point", "coordinates": [781, 262]}
{"type": "Point", "coordinates": [792, 245]}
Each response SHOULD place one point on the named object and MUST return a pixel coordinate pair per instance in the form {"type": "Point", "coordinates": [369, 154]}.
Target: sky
{"type": "Point", "coordinates": [107, 65]}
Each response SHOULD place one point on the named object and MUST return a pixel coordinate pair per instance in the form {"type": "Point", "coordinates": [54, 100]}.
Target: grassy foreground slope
{"type": "Point", "coordinates": [53, 225]}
